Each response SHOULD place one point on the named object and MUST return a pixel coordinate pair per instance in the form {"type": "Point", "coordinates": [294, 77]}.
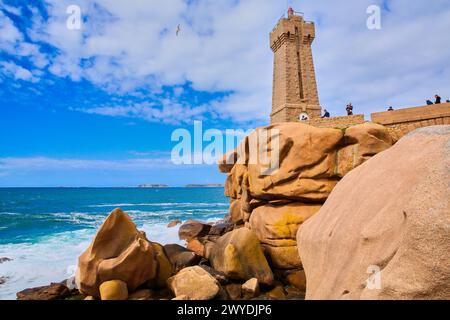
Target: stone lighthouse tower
{"type": "Point", "coordinates": [295, 93]}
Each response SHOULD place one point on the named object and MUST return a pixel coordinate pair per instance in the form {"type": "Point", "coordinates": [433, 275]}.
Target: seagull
{"type": "Point", "coordinates": [178, 30]}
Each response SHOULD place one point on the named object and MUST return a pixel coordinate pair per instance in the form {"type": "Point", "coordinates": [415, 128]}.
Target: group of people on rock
{"type": "Point", "coordinates": [349, 107]}
{"type": "Point", "coordinates": [437, 100]}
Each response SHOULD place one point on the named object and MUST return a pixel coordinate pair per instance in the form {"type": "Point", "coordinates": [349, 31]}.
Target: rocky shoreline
{"type": "Point", "coordinates": [234, 269]}
{"type": "Point", "coordinates": [344, 201]}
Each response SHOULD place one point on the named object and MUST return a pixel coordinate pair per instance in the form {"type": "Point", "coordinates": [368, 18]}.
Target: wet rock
{"type": "Point", "coordinates": [174, 223]}
{"type": "Point", "coordinates": [5, 259]}
{"type": "Point", "coordinates": [55, 291]}
{"type": "Point", "coordinates": [3, 280]}
{"type": "Point", "coordinates": [181, 257]}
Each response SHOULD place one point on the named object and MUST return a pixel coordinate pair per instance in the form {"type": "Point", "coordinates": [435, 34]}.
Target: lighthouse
{"type": "Point", "coordinates": [295, 96]}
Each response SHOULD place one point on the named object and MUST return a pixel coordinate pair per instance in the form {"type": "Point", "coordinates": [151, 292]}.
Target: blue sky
{"type": "Point", "coordinates": [97, 106]}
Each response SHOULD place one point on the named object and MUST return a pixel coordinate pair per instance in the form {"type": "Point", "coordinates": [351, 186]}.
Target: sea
{"type": "Point", "coordinates": [44, 230]}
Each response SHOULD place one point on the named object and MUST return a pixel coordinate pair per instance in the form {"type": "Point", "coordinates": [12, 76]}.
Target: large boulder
{"type": "Point", "coordinates": [311, 161]}
{"type": "Point", "coordinates": [239, 255]}
{"type": "Point", "coordinates": [276, 228]}
{"type": "Point", "coordinates": [118, 252]}
{"type": "Point", "coordinates": [194, 283]}
{"type": "Point", "coordinates": [384, 232]}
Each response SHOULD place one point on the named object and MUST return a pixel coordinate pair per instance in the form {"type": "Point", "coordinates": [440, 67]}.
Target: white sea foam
{"type": "Point", "coordinates": [54, 258]}
{"type": "Point", "coordinates": [172, 204]}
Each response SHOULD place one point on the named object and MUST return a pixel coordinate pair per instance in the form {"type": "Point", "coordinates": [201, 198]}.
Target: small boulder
{"type": "Point", "coordinates": [89, 298]}
{"type": "Point", "coordinates": [250, 289]}
{"type": "Point", "coordinates": [193, 229]}
{"type": "Point", "coordinates": [239, 255]}
{"type": "Point", "coordinates": [197, 247]}
{"type": "Point", "coordinates": [3, 280]}
{"type": "Point", "coordinates": [221, 228]}
{"type": "Point", "coordinates": [181, 257]}
{"type": "Point", "coordinates": [55, 291]}
{"type": "Point", "coordinates": [113, 290]}
{"type": "Point", "coordinates": [194, 283]}
{"type": "Point", "coordinates": [181, 298]}
{"type": "Point", "coordinates": [174, 223]}
{"type": "Point", "coordinates": [4, 259]}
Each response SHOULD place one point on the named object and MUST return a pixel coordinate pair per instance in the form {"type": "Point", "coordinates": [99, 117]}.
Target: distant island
{"type": "Point", "coordinates": [204, 186]}
{"type": "Point", "coordinates": [154, 186]}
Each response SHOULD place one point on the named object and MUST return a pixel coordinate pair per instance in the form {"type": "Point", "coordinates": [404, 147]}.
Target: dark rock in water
{"type": "Point", "coordinates": [219, 276]}
{"type": "Point", "coordinates": [193, 229]}
{"type": "Point", "coordinates": [174, 223]}
{"type": "Point", "coordinates": [3, 280]}
{"type": "Point", "coordinates": [181, 257]}
{"type": "Point", "coordinates": [5, 259]}
{"type": "Point", "coordinates": [221, 228]}
{"type": "Point", "coordinates": [55, 291]}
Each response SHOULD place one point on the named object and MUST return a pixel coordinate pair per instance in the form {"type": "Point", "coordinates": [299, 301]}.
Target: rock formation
{"type": "Point", "coordinates": [118, 252]}
{"type": "Point", "coordinates": [312, 161]}
{"type": "Point", "coordinates": [384, 232]}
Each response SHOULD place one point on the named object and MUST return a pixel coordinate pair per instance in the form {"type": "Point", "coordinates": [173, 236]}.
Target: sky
{"type": "Point", "coordinates": [97, 105]}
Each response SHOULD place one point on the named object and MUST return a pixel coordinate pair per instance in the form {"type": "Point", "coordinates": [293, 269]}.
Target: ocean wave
{"type": "Point", "coordinates": [54, 257]}
{"type": "Point", "coordinates": [162, 204]}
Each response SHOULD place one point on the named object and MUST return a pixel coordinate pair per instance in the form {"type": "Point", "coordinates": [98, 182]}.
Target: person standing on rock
{"type": "Point", "coordinates": [349, 109]}
{"type": "Point", "coordinates": [438, 99]}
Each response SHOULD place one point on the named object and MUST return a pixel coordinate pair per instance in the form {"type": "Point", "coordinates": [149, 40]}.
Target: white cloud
{"type": "Point", "coordinates": [17, 72]}
{"type": "Point", "coordinates": [44, 163]}
{"type": "Point", "coordinates": [223, 46]}
{"type": "Point", "coordinates": [171, 112]}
